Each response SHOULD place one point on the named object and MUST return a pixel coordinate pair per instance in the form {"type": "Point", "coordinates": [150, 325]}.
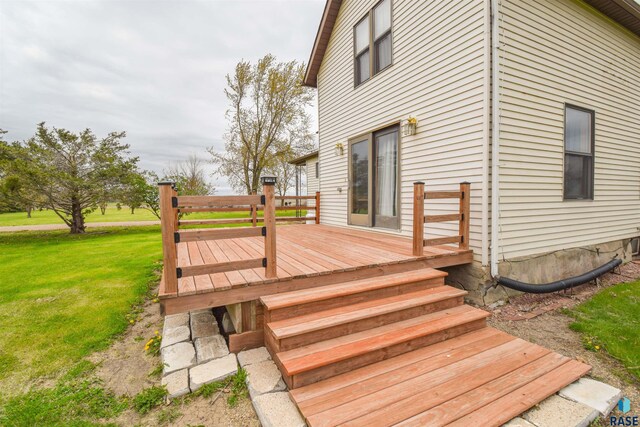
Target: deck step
{"type": "Point", "coordinates": [307, 329]}
{"type": "Point", "coordinates": [314, 362]}
{"type": "Point", "coordinates": [296, 303]}
{"type": "Point", "coordinates": [475, 379]}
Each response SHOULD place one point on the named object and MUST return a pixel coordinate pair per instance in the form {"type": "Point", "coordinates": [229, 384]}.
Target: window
{"type": "Point", "coordinates": [382, 36]}
{"type": "Point", "coordinates": [362, 51]}
{"type": "Point", "coordinates": [372, 44]}
{"type": "Point", "coordinates": [578, 153]}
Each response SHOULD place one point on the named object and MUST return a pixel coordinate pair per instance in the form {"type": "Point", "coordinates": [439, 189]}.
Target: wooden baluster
{"type": "Point", "coordinates": [254, 212]}
{"type": "Point", "coordinates": [418, 218]}
{"type": "Point", "coordinates": [168, 215]}
{"type": "Point", "coordinates": [465, 209]}
{"type": "Point", "coordinates": [317, 207]}
{"type": "Point", "coordinates": [268, 184]}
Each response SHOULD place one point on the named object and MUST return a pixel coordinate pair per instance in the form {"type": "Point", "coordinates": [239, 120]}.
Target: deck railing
{"type": "Point", "coordinates": [172, 206]}
{"type": "Point", "coordinates": [419, 217]}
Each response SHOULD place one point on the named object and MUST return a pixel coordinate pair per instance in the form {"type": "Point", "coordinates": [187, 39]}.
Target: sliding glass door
{"type": "Point", "coordinates": [373, 179]}
{"type": "Point", "coordinates": [360, 171]}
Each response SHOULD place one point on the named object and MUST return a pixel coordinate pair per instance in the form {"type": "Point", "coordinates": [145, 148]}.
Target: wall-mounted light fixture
{"type": "Point", "coordinates": [339, 149]}
{"type": "Point", "coordinates": [409, 126]}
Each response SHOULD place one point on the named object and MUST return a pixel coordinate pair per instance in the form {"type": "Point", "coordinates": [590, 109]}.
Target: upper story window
{"type": "Point", "coordinates": [372, 44]}
{"type": "Point", "coordinates": [578, 153]}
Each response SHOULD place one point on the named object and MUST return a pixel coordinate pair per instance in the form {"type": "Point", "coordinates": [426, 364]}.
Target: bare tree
{"type": "Point", "coordinates": [267, 110]}
{"type": "Point", "coordinates": [190, 177]}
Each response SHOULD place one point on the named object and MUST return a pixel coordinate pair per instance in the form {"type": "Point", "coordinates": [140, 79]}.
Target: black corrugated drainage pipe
{"type": "Point", "coordinates": [559, 285]}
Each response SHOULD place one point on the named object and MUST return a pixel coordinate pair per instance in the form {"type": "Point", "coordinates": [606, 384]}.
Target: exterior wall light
{"type": "Point", "coordinates": [268, 180]}
{"type": "Point", "coordinates": [339, 149]}
{"type": "Point", "coordinates": [409, 126]}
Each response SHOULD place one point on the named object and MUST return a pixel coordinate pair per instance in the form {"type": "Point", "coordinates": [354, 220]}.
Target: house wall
{"type": "Point", "coordinates": [556, 52]}
{"type": "Point", "coordinates": [437, 76]}
{"type": "Point", "coordinates": [313, 183]}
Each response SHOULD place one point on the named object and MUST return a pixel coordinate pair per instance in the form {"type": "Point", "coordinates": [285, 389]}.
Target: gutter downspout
{"type": "Point", "coordinates": [495, 136]}
{"type": "Point", "coordinates": [486, 134]}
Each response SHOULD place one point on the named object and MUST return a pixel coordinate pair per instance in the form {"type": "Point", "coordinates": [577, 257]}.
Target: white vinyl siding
{"type": "Point", "coordinates": [312, 181]}
{"type": "Point", "coordinates": [557, 52]}
{"type": "Point", "coordinates": [437, 76]}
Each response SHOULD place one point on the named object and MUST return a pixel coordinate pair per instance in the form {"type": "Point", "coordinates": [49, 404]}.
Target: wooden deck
{"type": "Point", "coordinates": [304, 253]}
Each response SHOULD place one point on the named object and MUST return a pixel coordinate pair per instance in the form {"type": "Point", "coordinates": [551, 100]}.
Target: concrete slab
{"type": "Point", "coordinates": [277, 410]}
{"type": "Point", "coordinates": [212, 371]}
{"type": "Point", "coordinates": [595, 394]}
{"type": "Point", "coordinates": [177, 383]}
{"type": "Point", "coordinates": [264, 377]}
{"type": "Point", "coordinates": [209, 348]}
{"type": "Point", "coordinates": [178, 356]}
{"type": "Point", "coordinates": [518, 422]}
{"type": "Point", "coordinates": [249, 357]}
{"type": "Point", "coordinates": [203, 324]}
{"type": "Point", "coordinates": [171, 336]}
{"type": "Point", "coordinates": [175, 320]}
{"type": "Point", "coordinates": [557, 411]}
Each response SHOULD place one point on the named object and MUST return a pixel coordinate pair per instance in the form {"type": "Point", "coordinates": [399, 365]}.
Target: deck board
{"type": "Point", "coordinates": [303, 251]}
{"type": "Point", "coordinates": [455, 381]}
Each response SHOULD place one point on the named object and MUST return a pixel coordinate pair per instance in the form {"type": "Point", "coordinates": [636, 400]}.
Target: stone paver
{"type": "Point", "coordinates": [249, 357]}
{"type": "Point", "coordinates": [171, 336]}
{"type": "Point", "coordinates": [557, 411]}
{"type": "Point", "coordinates": [208, 348]}
{"type": "Point", "coordinates": [175, 320]}
{"type": "Point", "coordinates": [264, 377]}
{"type": "Point", "coordinates": [518, 422]}
{"type": "Point", "coordinates": [277, 410]}
{"type": "Point", "coordinates": [203, 324]}
{"type": "Point", "coordinates": [178, 356]}
{"type": "Point", "coordinates": [177, 383]}
{"type": "Point", "coordinates": [214, 370]}
{"type": "Point", "coordinates": [593, 393]}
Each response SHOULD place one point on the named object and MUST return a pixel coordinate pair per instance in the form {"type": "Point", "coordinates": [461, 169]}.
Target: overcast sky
{"type": "Point", "coordinates": [155, 69]}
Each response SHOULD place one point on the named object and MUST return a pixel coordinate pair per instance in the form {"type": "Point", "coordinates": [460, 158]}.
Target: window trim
{"type": "Point", "coordinates": [372, 44]}
{"type": "Point", "coordinates": [591, 190]}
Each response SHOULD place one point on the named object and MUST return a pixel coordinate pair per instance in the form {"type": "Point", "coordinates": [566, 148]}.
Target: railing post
{"type": "Point", "coordinates": [168, 215]}
{"type": "Point", "coordinates": [317, 207]}
{"type": "Point", "coordinates": [268, 184]}
{"type": "Point", "coordinates": [465, 210]}
{"type": "Point", "coordinates": [418, 218]}
{"type": "Point", "coordinates": [254, 212]}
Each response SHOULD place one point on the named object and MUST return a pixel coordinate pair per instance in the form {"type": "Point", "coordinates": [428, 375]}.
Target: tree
{"type": "Point", "coordinates": [285, 171]}
{"type": "Point", "coordinates": [190, 177]}
{"type": "Point", "coordinates": [141, 191]}
{"type": "Point", "coordinates": [70, 171]}
{"type": "Point", "coordinates": [267, 111]}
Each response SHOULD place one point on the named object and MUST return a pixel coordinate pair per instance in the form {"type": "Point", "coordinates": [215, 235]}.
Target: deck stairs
{"type": "Point", "coordinates": [404, 349]}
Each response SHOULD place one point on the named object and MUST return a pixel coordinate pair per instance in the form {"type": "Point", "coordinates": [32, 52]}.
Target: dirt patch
{"type": "Point", "coordinates": [125, 369]}
{"type": "Point", "coordinates": [538, 319]}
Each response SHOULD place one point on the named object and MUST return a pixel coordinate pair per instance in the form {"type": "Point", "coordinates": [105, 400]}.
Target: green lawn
{"type": "Point", "coordinates": [610, 321]}
{"type": "Point", "coordinates": [112, 214]}
{"type": "Point", "coordinates": [64, 296]}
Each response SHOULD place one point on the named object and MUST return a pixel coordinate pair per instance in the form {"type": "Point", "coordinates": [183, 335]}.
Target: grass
{"type": "Point", "coordinates": [76, 400]}
{"type": "Point", "coordinates": [149, 398]}
{"type": "Point", "coordinates": [112, 214]}
{"type": "Point", "coordinates": [65, 296]}
{"type": "Point", "coordinates": [610, 321]}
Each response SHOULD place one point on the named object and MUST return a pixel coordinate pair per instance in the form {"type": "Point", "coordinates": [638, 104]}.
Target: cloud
{"type": "Point", "coordinates": [152, 68]}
